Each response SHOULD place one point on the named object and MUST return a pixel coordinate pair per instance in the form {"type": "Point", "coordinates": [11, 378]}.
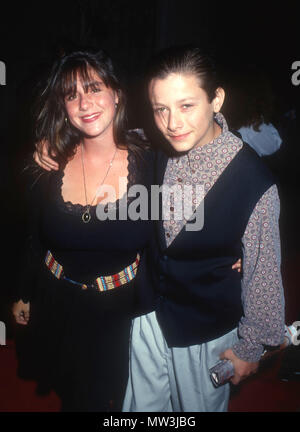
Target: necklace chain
{"type": "Point", "coordinates": [86, 217]}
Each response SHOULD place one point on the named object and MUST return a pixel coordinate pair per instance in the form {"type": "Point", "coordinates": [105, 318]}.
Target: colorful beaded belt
{"type": "Point", "coordinates": [102, 283]}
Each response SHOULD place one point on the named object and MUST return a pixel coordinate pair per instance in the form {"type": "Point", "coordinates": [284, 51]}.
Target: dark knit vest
{"type": "Point", "coordinates": [197, 294]}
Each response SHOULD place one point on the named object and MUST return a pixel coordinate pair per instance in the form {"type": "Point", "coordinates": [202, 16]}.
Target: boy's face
{"type": "Point", "coordinates": [182, 111]}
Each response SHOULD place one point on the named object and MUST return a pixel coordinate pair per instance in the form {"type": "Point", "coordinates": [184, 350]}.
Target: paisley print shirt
{"type": "Point", "coordinates": [262, 292]}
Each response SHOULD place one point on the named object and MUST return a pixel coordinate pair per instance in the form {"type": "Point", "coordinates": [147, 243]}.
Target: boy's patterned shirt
{"type": "Point", "coordinates": [262, 291]}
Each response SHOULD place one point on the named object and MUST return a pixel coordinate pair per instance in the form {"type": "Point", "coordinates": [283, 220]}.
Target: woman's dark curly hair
{"type": "Point", "coordinates": [50, 111]}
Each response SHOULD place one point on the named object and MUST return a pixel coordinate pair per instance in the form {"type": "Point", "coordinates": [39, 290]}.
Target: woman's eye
{"type": "Point", "coordinates": [70, 98]}
{"type": "Point", "coordinates": [160, 110]}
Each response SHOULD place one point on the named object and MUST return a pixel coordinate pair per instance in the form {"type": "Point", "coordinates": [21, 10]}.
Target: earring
{"type": "Point", "coordinates": [66, 120]}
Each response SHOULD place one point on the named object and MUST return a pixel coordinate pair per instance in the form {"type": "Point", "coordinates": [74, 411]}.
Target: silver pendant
{"type": "Point", "coordinates": [86, 217]}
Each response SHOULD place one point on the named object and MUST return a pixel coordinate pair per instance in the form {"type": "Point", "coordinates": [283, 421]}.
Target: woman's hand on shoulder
{"type": "Point", "coordinates": [237, 266]}
{"type": "Point", "coordinates": [43, 159]}
{"type": "Point", "coordinates": [21, 312]}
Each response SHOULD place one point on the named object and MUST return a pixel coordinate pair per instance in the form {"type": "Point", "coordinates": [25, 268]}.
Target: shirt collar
{"type": "Point", "coordinates": [213, 145]}
{"type": "Point", "coordinates": [209, 148]}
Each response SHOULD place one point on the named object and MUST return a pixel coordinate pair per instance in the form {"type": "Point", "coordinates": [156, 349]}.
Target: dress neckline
{"type": "Point", "coordinates": [76, 208]}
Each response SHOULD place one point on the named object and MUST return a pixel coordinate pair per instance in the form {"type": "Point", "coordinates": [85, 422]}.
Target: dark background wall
{"type": "Point", "coordinates": [32, 34]}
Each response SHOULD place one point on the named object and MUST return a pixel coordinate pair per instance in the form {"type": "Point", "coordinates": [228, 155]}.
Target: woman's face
{"type": "Point", "coordinates": [182, 111]}
{"type": "Point", "coordinates": [92, 111]}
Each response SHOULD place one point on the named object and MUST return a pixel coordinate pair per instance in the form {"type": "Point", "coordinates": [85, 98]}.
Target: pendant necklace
{"type": "Point", "coordinates": [86, 216]}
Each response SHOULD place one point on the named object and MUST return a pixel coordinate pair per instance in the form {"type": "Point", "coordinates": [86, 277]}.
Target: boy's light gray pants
{"type": "Point", "coordinates": [163, 379]}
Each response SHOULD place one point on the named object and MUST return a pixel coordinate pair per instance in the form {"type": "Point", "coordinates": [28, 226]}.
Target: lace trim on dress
{"type": "Point", "coordinates": [76, 209]}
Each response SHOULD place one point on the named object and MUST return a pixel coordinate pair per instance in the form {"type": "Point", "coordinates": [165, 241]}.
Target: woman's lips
{"type": "Point", "coordinates": [90, 118]}
{"type": "Point", "coordinates": [179, 137]}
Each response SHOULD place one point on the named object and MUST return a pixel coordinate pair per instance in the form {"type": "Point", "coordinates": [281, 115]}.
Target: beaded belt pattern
{"type": "Point", "coordinates": [102, 283]}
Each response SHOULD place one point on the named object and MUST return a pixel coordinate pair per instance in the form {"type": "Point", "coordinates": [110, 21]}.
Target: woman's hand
{"type": "Point", "coordinates": [21, 312]}
{"type": "Point", "coordinates": [237, 266]}
{"type": "Point", "coordinates": [43, 159]}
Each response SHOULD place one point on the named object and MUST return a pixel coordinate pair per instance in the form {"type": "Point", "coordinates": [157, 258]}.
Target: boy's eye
{"type": "Point", "coordinates": [95, 89]}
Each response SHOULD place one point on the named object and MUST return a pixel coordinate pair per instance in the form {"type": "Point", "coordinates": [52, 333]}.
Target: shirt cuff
{"type": "Point", "coordinates": [248, 352]}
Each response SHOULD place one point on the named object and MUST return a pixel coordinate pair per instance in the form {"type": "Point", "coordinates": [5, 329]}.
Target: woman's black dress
{"type": "Point", "coordinates": [77, 340]}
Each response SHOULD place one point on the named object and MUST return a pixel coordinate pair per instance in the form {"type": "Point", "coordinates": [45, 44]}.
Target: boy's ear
{"type": "Point", "coordinates": [219, 99]}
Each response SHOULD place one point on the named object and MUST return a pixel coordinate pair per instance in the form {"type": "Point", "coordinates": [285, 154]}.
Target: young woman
{"type": "Point", "coordinates": [76, 291]}
{"type": "Point", "coordinates": [200, 309]}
